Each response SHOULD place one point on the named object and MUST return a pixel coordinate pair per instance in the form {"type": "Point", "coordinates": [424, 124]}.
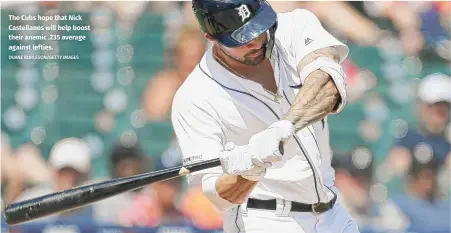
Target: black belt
{"type": "Point", "coordinates": [316, 208]}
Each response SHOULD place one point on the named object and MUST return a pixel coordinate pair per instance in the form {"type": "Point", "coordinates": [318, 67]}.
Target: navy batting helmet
{"type": "Point", "coordinates": [234, 23]}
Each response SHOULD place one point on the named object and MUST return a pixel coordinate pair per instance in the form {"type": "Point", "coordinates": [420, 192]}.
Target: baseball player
{"type": "Point", "coordinates": [259, 100]}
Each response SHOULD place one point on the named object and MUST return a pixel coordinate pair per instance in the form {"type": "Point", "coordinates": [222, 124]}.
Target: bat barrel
{"type": "Point", "coordinates": [80, 196]}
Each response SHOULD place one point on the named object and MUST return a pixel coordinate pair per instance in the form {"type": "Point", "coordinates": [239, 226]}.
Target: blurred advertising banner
{"type": "Point", "coordinates": [67, 227]}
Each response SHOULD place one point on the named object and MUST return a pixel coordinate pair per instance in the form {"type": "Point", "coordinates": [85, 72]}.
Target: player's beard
{"type": "Point", "coordinates": [247, 60]}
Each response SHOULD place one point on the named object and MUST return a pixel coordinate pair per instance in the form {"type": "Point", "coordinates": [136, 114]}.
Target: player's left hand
{"type": "Point", "coordinates": [265, 145]}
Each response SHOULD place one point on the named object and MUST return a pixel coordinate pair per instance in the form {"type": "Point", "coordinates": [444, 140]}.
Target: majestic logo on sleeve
{"type": "Point", "coordinates": [243, 12]}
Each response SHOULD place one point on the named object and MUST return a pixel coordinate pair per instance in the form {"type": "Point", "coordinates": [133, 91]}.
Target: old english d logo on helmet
{"type": "Point", "coordinates": [244, 12]}
{"type": "Point", "coordinates": [234, 23]}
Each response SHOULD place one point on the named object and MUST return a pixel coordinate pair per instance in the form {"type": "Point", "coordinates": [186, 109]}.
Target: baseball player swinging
{"type": "Point", "coordinates": [259, 100]}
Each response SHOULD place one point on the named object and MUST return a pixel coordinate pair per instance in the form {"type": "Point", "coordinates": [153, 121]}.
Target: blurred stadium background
{"type": "Point", "coordinates": [109, 112]}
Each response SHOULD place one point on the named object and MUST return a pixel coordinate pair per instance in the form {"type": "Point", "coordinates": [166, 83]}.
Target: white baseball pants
{"type": "Point", "coordinates": [246, 220]}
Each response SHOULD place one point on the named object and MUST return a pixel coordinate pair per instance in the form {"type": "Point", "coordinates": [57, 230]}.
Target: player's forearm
{"type": "Point", "coordinates": [314, 101]}
{"type": "Point", "coordinates": [317, 96]}
{"type": "Point", "coordinates": [234, 189]}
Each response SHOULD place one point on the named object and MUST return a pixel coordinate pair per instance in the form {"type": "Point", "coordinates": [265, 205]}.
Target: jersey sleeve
{"type": "Point", "coordinates": [305, 34]}
{"type": "Point", "coordinates": [301, 33]}
{"type": "Point", "coordinates": [200, 138]}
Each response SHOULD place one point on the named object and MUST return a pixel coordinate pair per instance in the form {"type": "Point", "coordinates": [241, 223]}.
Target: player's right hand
{"type": "Point", "coordinates": [265, 145]}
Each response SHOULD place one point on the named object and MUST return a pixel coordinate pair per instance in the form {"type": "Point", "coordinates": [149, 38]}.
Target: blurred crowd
{"type": "Point", "coordinates": [415, 164]}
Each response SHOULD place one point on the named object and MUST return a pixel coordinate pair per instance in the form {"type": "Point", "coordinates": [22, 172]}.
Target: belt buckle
{"type": "Point", "coordinates": [319, 208]}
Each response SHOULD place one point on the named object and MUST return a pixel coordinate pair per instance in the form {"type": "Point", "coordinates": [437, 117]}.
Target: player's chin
{"type": "Point", "coordinates": [254, 60]}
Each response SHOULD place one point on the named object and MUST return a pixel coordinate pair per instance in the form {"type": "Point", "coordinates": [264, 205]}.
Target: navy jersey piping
{"type": "Point", "coordinates": [236, 218]}
{"type": "Point", "coordinates": [322, 121]}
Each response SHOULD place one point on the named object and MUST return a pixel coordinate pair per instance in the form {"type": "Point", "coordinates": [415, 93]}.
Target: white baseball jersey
{"type": "Point", "coordinates": [214, 107]}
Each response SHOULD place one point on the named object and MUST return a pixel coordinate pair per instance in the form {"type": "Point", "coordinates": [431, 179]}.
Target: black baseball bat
{"type": "Point", "coordinates": [83, 195]}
